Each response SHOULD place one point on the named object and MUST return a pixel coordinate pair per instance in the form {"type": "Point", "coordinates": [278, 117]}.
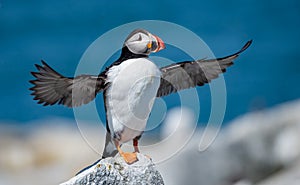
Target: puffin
{"type": "Point", "coordinates": [129, 85]}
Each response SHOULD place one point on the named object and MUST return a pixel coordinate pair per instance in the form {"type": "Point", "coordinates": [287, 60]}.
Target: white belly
{"type": "Point", "coordinates": [129, 99]}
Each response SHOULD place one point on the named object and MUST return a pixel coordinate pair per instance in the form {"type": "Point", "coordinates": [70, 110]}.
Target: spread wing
{"type": "Point", "coordinates": [184, 75]}
{"type": "Point", "coordinates": [50, 87]}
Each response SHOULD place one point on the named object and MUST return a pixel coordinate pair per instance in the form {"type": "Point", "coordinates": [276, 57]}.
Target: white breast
{"type": "Point", "coordinates": [134, 84]}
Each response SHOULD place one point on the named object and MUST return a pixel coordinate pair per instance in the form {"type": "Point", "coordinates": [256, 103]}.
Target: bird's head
{"type": "Point", "coordinates": [141, 41]}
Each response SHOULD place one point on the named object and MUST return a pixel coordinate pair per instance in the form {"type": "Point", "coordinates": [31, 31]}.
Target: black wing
{"type": "Point", "coordinates": [50, 87]}
{"type": "Point", "coordinates": [184, 75]}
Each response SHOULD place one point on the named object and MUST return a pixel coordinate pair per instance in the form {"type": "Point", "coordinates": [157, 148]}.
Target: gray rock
{"type": "Point", "coordinates": [257, 148]}
{"type": "Point", "coordinates": [110, 171]}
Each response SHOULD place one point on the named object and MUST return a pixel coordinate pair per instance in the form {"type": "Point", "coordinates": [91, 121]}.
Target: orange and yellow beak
{"type": "Point", "coordinates": [158, 45]}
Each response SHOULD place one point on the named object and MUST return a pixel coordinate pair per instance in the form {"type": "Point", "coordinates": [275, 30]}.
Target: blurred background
{"type": "Point", "coordinates": [259, 142]}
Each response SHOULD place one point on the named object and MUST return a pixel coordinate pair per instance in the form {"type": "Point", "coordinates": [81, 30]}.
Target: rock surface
{"type": "Point", "coordinates": [117, 171]}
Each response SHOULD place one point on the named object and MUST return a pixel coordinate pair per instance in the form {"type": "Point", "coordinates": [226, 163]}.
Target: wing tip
{"type": "Point", "coordinates": [39, 67]}
{"type": "Point", "coordinates": [246, 46]}
{"type": "Point", "coordinates": [235, 55]}
{"type": "Point", "coordinates": [248, 43]}
{"type": "Point", "coordinates": [44, 63]}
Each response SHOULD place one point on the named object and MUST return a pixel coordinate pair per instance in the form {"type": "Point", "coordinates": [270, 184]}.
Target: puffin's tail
{"type": "Point", "coordinates": [110, 149]}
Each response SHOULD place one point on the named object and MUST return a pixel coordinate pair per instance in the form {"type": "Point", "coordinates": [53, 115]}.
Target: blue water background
{"type": "Point", "coordinates": [60, 31]}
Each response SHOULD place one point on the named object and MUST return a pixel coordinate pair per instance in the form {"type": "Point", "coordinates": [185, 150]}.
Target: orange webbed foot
{"type": "Point", "coordinates": [129, 157]}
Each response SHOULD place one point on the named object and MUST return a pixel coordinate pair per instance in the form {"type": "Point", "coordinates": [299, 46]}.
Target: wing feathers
{"type": "Point", "coordinates": [51, 88]}
{"type": "Point", "coordinates": [184, 75]}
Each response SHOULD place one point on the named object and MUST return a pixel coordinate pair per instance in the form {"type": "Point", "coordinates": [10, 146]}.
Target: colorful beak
{"type": "Point", "coordinates": [160, 43]}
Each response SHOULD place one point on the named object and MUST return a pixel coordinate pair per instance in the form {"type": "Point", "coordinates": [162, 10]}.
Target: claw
{"type": "Point", "coordinates": [148, 157]}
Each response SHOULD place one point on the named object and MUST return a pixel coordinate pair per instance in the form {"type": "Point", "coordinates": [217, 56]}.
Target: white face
{"type": "Point", "coordinates": [137, 43]}
{"type": "Point", "coordinates": [142, 42]}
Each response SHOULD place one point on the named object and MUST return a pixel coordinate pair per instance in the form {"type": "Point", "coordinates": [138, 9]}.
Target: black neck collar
{"type": "Point", "coordinates": [127, 54]}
